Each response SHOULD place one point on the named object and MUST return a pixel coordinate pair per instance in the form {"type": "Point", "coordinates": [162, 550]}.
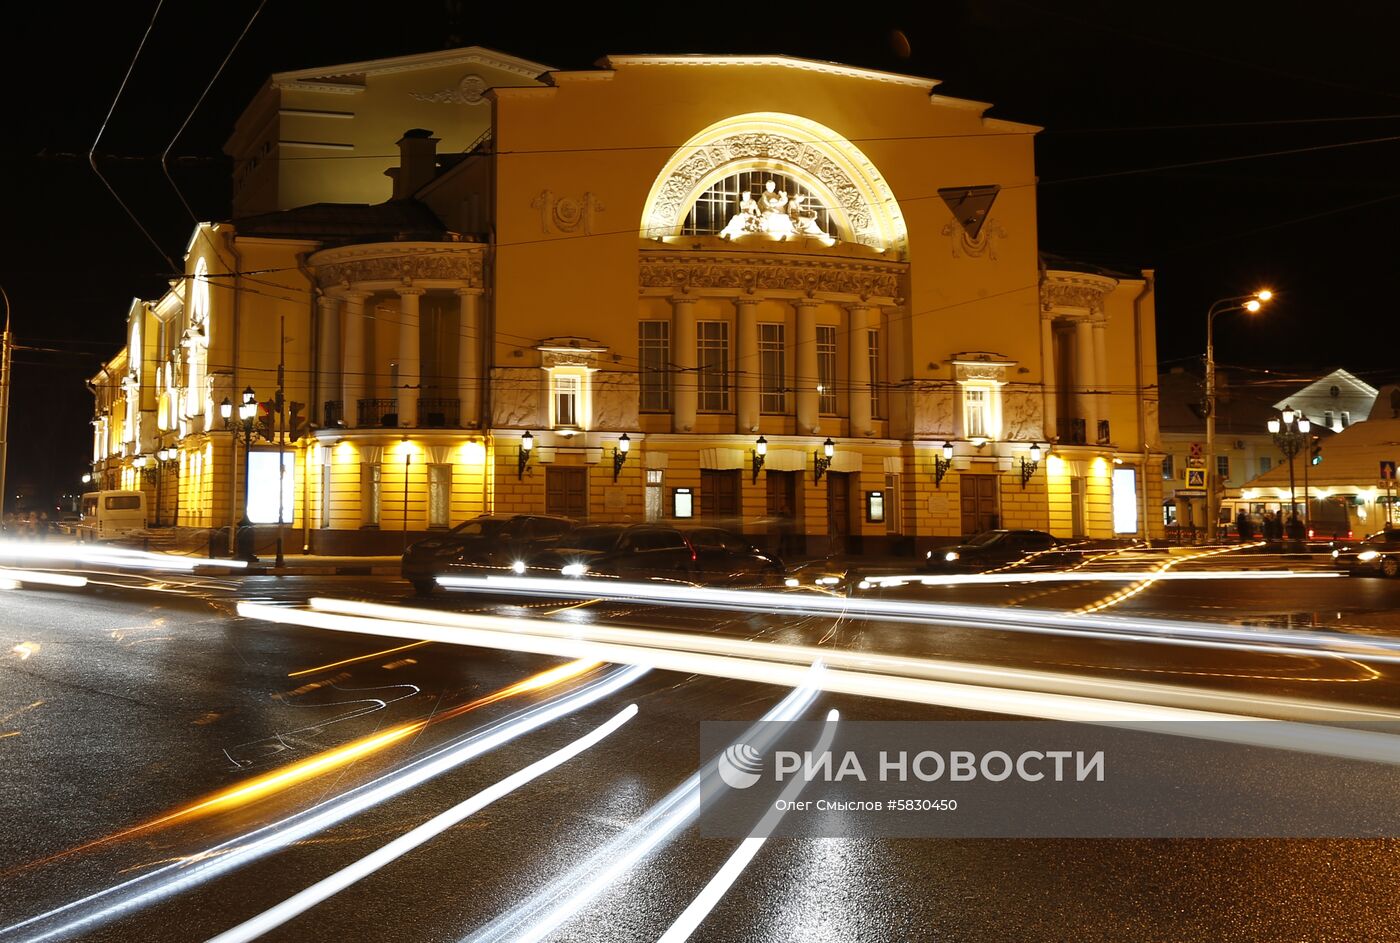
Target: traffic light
{"type": "Point", "coordinates": [1316, 457]}
{"type": "Point", "coordinates": [296, 422]}
{"type": "Point", "coordinates": [267, 419]}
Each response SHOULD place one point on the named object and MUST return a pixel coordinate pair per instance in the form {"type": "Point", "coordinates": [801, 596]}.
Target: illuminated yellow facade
{"type": "Point", "coordinates": [729, 260]}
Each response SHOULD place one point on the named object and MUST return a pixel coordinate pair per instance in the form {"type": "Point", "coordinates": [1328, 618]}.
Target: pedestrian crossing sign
{"type": "Point", "coordinates": [1195, 477]}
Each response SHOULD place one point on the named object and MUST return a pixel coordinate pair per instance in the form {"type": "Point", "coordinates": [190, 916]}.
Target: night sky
{"type": "Point", "coordinates": [1117, 86]}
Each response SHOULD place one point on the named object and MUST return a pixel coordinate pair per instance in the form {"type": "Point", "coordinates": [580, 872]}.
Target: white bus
{"type": "Point", "coordinates": [108, 515]}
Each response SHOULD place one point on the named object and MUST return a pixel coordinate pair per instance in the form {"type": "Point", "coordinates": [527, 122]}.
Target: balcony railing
{"type": "Point", "coordinates": [378, 412]}
{"type": "Point", "coordinates": [1103, 432]}
{"type": "Point", "coordinates": [334, 414]}
{"type": "Point", "coordinates": [439, 412]}
{"type": "Point", "coordinates": [1071, 431]}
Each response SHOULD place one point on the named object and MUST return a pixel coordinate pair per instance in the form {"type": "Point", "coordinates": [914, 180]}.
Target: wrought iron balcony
{"type": "Point", "coordinates": [334, 413]}
{"type": "Point", "coordinates": [1071, 431]}
{"type": "Point", "coordinates": [378, 412]}
{"type": "Point", "coordinates": [439, 412]}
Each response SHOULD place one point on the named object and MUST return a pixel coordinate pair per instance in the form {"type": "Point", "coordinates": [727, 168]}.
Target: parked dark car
{"type": "Point", "coordinates": [1377, 555]}
{"type": "Point", "coordinates": [992, 548]}
{"type": "Point", "coordinates": [497, 543]}
{"type": "Point", "coordinates": [692, 554]}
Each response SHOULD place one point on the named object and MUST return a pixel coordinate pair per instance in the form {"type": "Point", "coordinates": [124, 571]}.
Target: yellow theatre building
{"type": "Point", "coordinates": [771, 292]}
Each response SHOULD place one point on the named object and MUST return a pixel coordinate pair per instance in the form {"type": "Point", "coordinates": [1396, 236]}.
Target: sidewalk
{"type": "Point", "coordinates": [305, 565]}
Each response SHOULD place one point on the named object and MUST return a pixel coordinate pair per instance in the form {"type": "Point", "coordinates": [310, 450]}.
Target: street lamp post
{"type": "Point", "coordinates": [247, 413]}
{"type": "Point", "coordinates": [1290, 430]}
{"type": "Point", "coordinates": [1251, 303]}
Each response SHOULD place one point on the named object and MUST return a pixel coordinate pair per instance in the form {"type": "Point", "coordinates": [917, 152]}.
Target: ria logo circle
{"type": "Point", "coordinates": [740, 765]}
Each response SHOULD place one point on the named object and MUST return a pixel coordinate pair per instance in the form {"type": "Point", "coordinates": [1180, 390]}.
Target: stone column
{"type": "Point", "coordinates": [327, 357]}
{"type": "Point", "coordinates": [409, 357]}
{"type": "Point", "coordinates": [683, 355]}
{"type": "Point", "coordinates": [1100, 374]}
{"type": "Point", "coordinates": [1086, 378]}
{"type": "Point", "coordinates": [469, 345]}
{"type": "Point", "coordinates": [352, 355]}
{"type": "Point", "coordinates": [858, 407]}
{"type": "Point", "coordinates": [1048, 380]}
{"type": "Point", "coordinates": [746, 366]}
{"type": "Point", "coordinates": [808, 375]}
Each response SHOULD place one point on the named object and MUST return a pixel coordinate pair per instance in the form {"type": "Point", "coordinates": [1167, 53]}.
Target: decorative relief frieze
{"type": "Point", "coordinates": [440, 264]}
{"type": "Point", "coordinates": [677, 193]}
{"type": "Point", "coordinates": [1022, 418]}
{"type": "Point", "coordinates": [469, 90]}
{"type": "Point", "coordinates": [749, 274]}
{"type": "Point", "coordinates": [565, 214]}
{"type": "Point", "coordinates": [1064, 290]}
{"type": "Point", "coordinates": [933, 411]}
{"type": "Point", "coordinates": [985, 243]}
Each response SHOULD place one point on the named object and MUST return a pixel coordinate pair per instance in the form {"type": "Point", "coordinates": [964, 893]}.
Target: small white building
{"type": "Point", "coordinates": [1334, 401]}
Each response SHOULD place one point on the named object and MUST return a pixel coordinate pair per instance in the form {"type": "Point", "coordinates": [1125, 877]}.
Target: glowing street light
{"type": "Point", "coordinates": [1251, 303]}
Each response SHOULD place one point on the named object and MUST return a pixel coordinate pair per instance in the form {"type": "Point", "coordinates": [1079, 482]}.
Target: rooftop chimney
{"type": "Point", "coordinates": [417, 162]}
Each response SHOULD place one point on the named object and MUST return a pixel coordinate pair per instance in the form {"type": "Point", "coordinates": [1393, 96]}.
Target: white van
{"type": "Point", "coordinates": [108, 515]}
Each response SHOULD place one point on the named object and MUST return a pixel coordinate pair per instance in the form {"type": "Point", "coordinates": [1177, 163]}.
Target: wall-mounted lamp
{"type": "Point", "coordinates": [821, 459]}
{"type": "Point", "coordinates": [941, 464]}
{"type": "Point", "coordinates": [760, 455]}
{"type": "Point", "coordinates": [1029, 465]}
{"type": "Point", "coordinates": [527, 446]}
{"type": "Point", "coordinates": [624, 445]}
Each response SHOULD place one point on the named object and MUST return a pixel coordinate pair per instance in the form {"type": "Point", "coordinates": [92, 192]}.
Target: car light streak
{"type": "Point", "coordinates": [173, 878]}
{"type": "Point", "coordinates": [275, 781]}
{"type": "Point", "coordinates": [695, 914]}
{"type": "Point", "coordinates": [32, 552]}
{"type": "Point", "coordinates": [328, 887]}
{"type": "Point", "coordinates": [357, 658]}
{"type": "Point", "coordinates": [1090, 576]}
{"type": "Point", "coordinates": [11, 578]}
{"type": "Point", "coordinates": [553, 905]}
{"type": "Point", "coordinates": [1026, 701]}
{"type": "Point", "coordinates": [1121, 628]}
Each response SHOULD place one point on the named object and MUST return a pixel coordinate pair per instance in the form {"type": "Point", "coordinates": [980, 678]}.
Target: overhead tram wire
{"type": "Point", "coordinates": [92, 151]}
{"type": "Point", "coordinates": [165, 155]}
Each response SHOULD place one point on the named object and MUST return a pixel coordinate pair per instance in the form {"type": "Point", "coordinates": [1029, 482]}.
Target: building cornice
{"type": "Point", "coordinates": [400, 263]}
{"type": "Point", "coordinates": [780, 62]}
{"type": "Point", "coordinates": [467, 55]}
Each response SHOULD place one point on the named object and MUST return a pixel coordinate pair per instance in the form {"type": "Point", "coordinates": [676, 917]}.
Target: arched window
{"type": "Point", "coordinates": [717, 206]}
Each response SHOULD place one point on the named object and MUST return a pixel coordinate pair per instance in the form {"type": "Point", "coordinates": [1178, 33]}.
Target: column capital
{"type": "Point", "coordinates": [408, 290]}
{"type": "Point", "coordinates": [747, 300]}
{"type": "Point", "coordinates": [468, 292]}
{"type": "Point", "coordinates": [349, 294]}
{"type": "Point", "coordinates": [807, 302]}
{"type": "Point", "coordinates": [684, 299]}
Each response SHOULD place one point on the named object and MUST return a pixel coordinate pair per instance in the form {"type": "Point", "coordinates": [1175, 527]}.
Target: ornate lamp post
{"type": "Point", "coordinates": [1291, 431]}
{"type": "Point", "coordinates": [1251, 303]}
{"type": "Point", "coordinates": [247, 413]}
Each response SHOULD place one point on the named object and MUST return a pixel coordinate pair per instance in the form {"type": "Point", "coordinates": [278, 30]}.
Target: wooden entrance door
{"type": "Point", "coordinates": [838, 509]}
{"type": "Point", "coordinates": [719, 497]}
{"type": "Point", "coordinates": [979, 503]}
{"type": "Point", "coordinates": [782, 512]}
{"type": "Point", "coordinates": [566, 492]}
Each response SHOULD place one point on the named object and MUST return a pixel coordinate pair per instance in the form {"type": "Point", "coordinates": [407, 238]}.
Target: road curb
{"type": "Point", "coordinates": [348, 570]}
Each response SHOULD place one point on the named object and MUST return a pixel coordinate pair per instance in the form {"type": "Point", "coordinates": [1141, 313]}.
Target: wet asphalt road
{"type": "Point", "coordinates": [117, 706]}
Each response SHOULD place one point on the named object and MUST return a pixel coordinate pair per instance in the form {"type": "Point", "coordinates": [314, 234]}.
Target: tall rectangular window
{"type": "Point", "coordinates": [439, 495]}
{"type": "Point", "coordinates": [327, 484]}
{"type": "Point", "coordinates": [1169, 466]}
{"type": "Point", "coordinates": [975, 413]}
{"type": "Point", "coordinates": [826, 370]}
{"type": "Point", "coordinates": [1222, 467]}
{"type": "Point", "coordinates": [712, 359]}
{"type": "Point", "coordinates": [771, 369]}
{"type": "Point", "coordinates": [566, 390]}
{"type": "Point", "coordinates": [370, 479]}
{"type": "Point", "coordinates": [1266, 463]}
{"type": "Point", "coordinates": [655, 494]}
{"type": "Point", "coordinates": [654, 360]}
{"type": "Point", "coordinates": [874, 374]}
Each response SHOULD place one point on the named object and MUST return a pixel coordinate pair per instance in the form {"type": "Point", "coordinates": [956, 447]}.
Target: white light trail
{"type": "Point", "coordinates": [1036, 621]}
{"type": "Point", "coordinates": [328, 887]}
{"type": "Point", "coordinates": [554, 905]}
{"type": "Point", "coordinates": [866, 661]}
{"type": "Point", "coordinates": [11, 578]}
{"type": "Point", "coordinates": [179, 876]}
{"type": "Point", "coordinates": [34, 552]}
{"type": "Point", "coordinates": [1079, 708]}
{"type": "Point", "coordinates": [694, 915]}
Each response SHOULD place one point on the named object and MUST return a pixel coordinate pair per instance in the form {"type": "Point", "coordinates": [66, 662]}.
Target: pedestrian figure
{"type": "Point", "coordinates": [1244, 527]}
{"type": "Point", "coordinates": [1296, 530]}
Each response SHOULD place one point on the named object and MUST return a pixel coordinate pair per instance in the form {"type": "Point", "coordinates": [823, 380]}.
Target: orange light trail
{"type": "Point", "coordinates": [260, 787]}
{"type": "Point", "coordinates": [351, 661]}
